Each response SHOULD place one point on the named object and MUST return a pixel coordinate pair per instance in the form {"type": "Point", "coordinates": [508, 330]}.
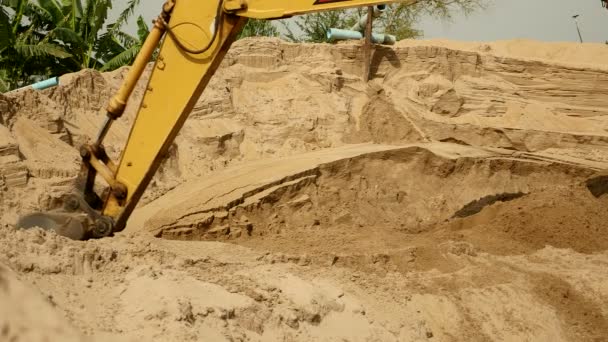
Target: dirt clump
{"type": "Point", "coordinates": [563, 218]}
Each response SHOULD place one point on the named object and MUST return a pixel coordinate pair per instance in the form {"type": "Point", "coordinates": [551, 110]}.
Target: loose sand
{"type": "Point", "coordinates": [459, 196]}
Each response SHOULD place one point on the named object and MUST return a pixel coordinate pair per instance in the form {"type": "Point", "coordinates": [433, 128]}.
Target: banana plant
{"type": "Point", "coordinates": [25, 54]}
{"type": "Point", "coordinates": [76, 24]}
{"type": "Point", "coordinates": [41, 38]}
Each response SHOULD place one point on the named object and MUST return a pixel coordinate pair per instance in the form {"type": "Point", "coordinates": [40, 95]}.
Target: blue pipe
{"type": "Point", "coordinates": [335, 34]}
{"type": "Point", "coordinates": [51, 82]}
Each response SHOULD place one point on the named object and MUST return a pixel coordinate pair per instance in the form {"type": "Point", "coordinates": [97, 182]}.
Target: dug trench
{"type": "Point", "coordinates": [402, 209]}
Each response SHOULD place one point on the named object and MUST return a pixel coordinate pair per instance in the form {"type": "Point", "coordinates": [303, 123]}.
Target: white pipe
{"type": "Point", "coordinates": [360, 26]}
{"type": "Point", "coordinates": [334, 34]}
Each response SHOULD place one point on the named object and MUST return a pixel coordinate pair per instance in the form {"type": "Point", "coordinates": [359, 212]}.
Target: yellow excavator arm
{"type": "Point", "coordinates": [198, 34]}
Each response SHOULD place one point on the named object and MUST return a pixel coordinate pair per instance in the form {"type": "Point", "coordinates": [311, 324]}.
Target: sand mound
{"type": "Point", "coordinates": [457, 196]}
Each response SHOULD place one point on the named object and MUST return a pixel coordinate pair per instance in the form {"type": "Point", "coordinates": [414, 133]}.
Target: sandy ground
{"type": "Point", "coordinates": [459, 196]}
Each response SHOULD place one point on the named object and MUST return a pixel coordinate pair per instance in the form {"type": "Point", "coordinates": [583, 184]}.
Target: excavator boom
{"type": "Point", "coordinates": [197, 35]}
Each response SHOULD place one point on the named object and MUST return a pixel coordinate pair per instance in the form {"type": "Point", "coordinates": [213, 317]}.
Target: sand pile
{"type": "Point", "coordinates": [454, 197]}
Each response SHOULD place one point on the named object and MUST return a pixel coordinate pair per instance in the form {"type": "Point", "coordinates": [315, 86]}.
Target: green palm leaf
{"type": "Point", "coordinates": [75, 9]}
{"type": "Point", "coordinates": [76, 12]}
{"type": "Point", "coordinates": [102, 8]}
{"type": "Point", "coordinates": [142, 29]}
{"type": "Point", "coordinates": [38, 15]}
{"type": "Point", "coordinates": [125, 39]}
{"type": "Point", "coordinates": [87, 15]}
{"type": "Point", "coordinates": [6, 34]}
{"type": "Point", "coordinates": [122, 59]}
{"type": "Point", "coordinates": [41, 50]}
{"type": "Point", "coordinates": [67, 36]}
{"type": "Point", "coordinates": [10, 3]}
{"type": "Point", "coordinates": [4, 84]}
{"type": "Point", "coordinates": [53, 8]}
{"type": "Point", "coordinates": [125, 14]}
{"type": "Point", "coordinates": [19, 7]}
{"type": "Point", "coordinates": [108, 46]}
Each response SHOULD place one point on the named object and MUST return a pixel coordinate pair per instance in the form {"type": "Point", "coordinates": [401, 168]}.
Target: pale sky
{"type": "Point", "coordinates": [548, 20]}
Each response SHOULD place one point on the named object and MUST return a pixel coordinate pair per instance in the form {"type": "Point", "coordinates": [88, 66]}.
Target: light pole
{"type": "Point", "coordinates": [575, 17]}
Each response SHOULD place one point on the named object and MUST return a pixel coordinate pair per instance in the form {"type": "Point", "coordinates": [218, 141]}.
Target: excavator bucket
{"type": "Point", "coordinates": [70, 225]}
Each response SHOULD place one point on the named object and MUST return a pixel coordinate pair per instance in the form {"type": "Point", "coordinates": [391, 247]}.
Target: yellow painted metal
{"type": "Point", "coordinates": [117, 104]}
{"type": "Point", "coordinates": [176, 83]}
{"type": "Point", "coordinates": [234, 5]}
{"type": "Point", "coordinates": [112, 166]}
{"type": "Point", "coordinates": [271, 9]}
{"type": "Point", "coordinates": [104, 171]}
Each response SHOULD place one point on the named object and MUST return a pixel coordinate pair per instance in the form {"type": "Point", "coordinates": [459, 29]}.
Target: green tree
{"type": "Point", "coordinates": [259, 28]}
{"type": "Point", "coordinates": [314, 27]}
{"type": "Point", "coordinates": [399, 19]}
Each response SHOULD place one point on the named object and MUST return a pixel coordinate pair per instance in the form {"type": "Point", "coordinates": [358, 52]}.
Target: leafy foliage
{"type": "Point", "coordinates": [3, 85]}
{"type": "Point", "coordinates": [125, 15]}
{"type": "Point", "coordinates": [314, 27]}
{"type": "Point", "coordinates": [41, 38]}
{"type": "Point", "coordinates": [126, 47]}
{"type": "Point", "coordinates": [259, 28]}
{"type": "Point", "coordinates": [24, 52]}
